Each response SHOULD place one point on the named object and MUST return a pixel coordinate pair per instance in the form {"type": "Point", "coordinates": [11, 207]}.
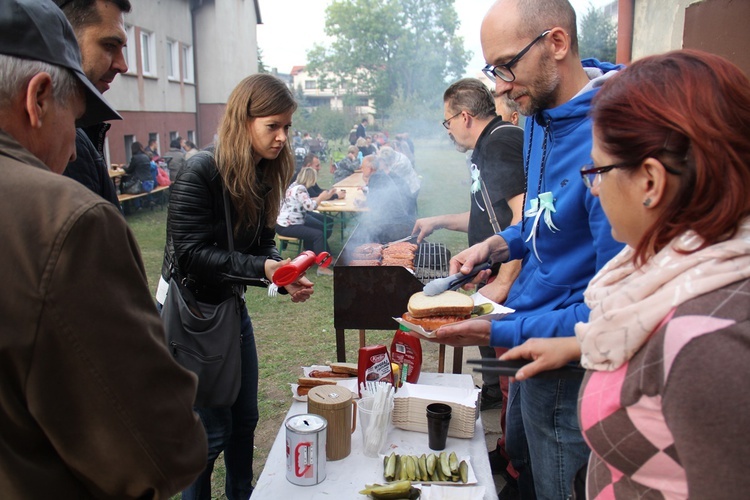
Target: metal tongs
{"type": "Point", "coordinates": [454, 281]}
{"type": "Point", "coordinates": [510, 367]}
{"type": "Point", "coordinates": [408, 238]}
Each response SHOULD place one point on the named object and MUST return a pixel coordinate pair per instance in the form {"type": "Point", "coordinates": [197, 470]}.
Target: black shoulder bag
{"type": "Point", "coordinates": [205, 338]}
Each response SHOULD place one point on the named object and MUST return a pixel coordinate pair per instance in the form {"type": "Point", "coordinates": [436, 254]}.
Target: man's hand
{"type": "Point", "coordinates": [547, 354]}
{"type": "Point", "coordinates": [496, 291]}
{"type": "Point", "coordinates": [471, 332]}
{"type": "Point", "coordinates": [425, 227]}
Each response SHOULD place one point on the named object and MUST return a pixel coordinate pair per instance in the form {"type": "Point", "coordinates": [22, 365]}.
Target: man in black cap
{"type": "Point", "coordinates": [91, 402]}
{"type": "Point", "coordinates": [100, 30]}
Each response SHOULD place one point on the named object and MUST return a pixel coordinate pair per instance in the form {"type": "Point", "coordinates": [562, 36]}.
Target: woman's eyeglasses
{"type": "Point", "coordinates": [591, 175]}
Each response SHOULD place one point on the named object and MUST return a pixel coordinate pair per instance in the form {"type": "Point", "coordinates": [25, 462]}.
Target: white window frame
{"type": "Point", "coordinates": [188, 73]}
{"type": "Point", "coordinates": [173, 60]}
{"type": "Point", "coordinates": [129, 51]}
{"type": "Point", "coordinates": [148, 53]}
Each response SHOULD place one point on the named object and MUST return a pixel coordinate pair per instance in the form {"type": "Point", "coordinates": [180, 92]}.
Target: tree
{"type": "Point", "coordinates": [390, 48]}
{"type": "Point", "coordinates": [598, 36]}
{"type": "Point", "coordinates": [261, 67]}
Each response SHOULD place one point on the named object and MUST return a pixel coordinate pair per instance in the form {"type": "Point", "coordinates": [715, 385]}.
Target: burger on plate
{"type": "Point", "coordinates": [433, 312]}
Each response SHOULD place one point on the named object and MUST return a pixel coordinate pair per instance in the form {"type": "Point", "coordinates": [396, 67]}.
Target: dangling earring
{"type": "Point", "coordinates": [647, 202]}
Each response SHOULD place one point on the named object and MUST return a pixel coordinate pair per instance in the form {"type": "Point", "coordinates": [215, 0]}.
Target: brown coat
{"type": "Point", "coordinates": [91, 402]}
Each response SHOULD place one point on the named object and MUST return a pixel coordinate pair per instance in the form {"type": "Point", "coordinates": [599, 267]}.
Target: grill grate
{"type": "Point", "coordinates": [431, 262]}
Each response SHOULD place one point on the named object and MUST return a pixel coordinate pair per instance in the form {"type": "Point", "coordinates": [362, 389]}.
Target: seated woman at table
{"type": "Point", "coordinates": [347, 166]}
{"type": "Point", "coordinates": [139, 167]}
{"type": "Point", "coordinates": [664, 402]}
{"type": "Point", "coordinates": [296, 219]}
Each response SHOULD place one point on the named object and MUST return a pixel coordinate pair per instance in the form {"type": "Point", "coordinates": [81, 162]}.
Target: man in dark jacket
{"type": "Point", "coordinates": [100, 30]}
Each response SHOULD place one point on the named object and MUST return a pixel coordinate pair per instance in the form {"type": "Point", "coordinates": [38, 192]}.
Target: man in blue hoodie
{"type": "Point", "coordinates": [563, 240]}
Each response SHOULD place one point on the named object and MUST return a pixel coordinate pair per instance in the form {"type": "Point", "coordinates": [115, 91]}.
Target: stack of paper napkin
{"type": "Point", "coordinates": [410, 408]}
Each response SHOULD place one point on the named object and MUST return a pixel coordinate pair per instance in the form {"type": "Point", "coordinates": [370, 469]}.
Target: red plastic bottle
{"type": "Point", "coordinates": [406, 351]}
{"type": "Point", "coordinates": [289, 273]}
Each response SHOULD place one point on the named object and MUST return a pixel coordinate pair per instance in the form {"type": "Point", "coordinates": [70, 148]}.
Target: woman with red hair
{"type": "Point", "coordinates": [664, 405]}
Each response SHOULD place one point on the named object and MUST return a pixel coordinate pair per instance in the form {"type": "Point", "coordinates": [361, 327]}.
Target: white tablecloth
{"type": "Point", "coordinates": [344, 478]}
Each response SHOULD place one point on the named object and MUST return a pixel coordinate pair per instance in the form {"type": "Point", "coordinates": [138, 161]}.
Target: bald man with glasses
{"type": "Point", "coordinates": [531, 50]}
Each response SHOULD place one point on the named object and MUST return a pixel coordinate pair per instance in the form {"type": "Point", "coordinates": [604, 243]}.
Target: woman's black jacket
{"type": "Point", "coordinates": [197, 236]}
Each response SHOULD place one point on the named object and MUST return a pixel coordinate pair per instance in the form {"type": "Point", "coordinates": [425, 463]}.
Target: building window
{"type": "Point", "coordinates": [187, 64]}
{"type": "Point", "coordinates": [129, 140]}
{"type": "Point", "coordinates": [310, 84]}
{"type": "Point", "coordinates": [129, 51]}
{"type": "Point", "coordinates": [191, 136]}
{"type": "Point", "coordinates": [173, 135]}
{"type": "Point", "coordinates": [173, 60]}
{"type": "Point", "coordinates": [148, 53]}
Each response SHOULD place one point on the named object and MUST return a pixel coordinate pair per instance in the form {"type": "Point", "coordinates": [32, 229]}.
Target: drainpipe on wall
{"type": "Point", "coordinates": [625, 10]}
{"type": "Point", "coordinates": [198, 131]}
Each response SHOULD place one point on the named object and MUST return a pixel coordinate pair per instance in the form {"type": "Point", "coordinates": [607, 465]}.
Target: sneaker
{"type": "Point", "coordinates": [489, 401]}
{"type": "Point", "coordinates": [324, 271]}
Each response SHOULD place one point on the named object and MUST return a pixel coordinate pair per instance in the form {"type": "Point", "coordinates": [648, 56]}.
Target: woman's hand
{"type": "Point", "coordinates": [547, 354]}
{"type": "Point", "coordinates": [300, 290]}
{"type": "Point", "coordinates": [271, 266]}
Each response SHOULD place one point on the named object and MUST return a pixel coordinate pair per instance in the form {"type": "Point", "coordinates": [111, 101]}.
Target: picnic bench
{"type": "Point", "coordinates": [157, 200]}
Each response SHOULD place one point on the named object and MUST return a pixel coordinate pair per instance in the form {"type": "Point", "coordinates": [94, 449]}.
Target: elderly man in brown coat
{"type": "Point", "coordinates": [91, 402]}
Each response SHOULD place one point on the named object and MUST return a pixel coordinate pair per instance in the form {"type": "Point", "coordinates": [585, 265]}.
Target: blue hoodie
{"type": "Point", "coordinates": [565, 254]}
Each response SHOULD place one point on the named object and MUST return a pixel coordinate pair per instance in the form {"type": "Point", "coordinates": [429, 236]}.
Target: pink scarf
{"type": "Point", "coordinates": [628, 304]}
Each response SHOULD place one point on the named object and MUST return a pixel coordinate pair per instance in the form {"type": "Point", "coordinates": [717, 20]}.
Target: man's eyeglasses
{"type": "Point", "coordinates": [504, 71]}
{"type": "Point", "coordinates": [447, 123]}
{"type": "Point", "coordinates": [591, 175]}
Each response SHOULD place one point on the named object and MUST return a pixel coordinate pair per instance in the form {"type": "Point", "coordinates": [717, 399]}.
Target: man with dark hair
{"type": "Point", "coordinates": [100, 30]}
{"type": "Point", "coordinates": [361, 130]}
{"type": "Point", "coordinates": [531, 48]}
{"type": "Point", "coordinates": [175, 158]}
{"type": "Point", "coordinates": [496, 168]}
{"type": "Point", "coordinates": [81, 343]}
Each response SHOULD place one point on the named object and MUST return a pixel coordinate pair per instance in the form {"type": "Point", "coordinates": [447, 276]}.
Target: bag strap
{"type": "Point", "coordinates": [486, 195]}
{"type": "Point", "coordinates": [490, 209]}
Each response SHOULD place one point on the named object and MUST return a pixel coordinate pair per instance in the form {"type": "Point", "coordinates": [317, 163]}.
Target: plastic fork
{"type": "Point", "coordinates": [273, 290]}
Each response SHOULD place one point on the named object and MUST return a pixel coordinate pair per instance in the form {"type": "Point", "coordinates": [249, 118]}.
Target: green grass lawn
{"type": "Point", "coordinates": [291, 335]}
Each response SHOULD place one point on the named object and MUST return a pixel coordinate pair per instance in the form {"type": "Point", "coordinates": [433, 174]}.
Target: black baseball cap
{"type": "Point", "coordinates": [38, 30]}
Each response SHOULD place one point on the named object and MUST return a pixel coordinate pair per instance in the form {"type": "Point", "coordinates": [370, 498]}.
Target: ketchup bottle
{"type": "Point", "coordinates": [406, 351]}
{"type": "Point", "coordinates": [291, 272]}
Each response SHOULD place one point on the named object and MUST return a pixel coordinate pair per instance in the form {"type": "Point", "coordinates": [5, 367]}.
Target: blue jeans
{"type": "Point", "coordinates": [232, 430]}
{"type": "Point", "coordinates": [544, 439]}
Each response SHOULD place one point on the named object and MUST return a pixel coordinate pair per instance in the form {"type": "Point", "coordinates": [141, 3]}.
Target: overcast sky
{"type": "Point", "coordinates": [291, 27]}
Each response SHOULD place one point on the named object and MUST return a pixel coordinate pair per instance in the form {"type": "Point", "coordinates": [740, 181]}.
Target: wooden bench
{"type": "Point", "coordinates": [122, 198]}
{"type": "Point", "coordinates": [285, 241]}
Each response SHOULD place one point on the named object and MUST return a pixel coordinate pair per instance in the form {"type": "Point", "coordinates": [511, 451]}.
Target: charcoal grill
{"type": "Point", "coordinates": [369, 297]}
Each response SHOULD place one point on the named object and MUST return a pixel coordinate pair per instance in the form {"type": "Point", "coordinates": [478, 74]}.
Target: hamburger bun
{"type": "Point", "coordinates": [448, 303]}
{"type": "Point", "coordinates": [344, 368]}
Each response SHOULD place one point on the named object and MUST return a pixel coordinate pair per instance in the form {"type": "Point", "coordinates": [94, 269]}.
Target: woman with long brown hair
{"type": "Point", "coordinates": [664, 403]}
{"type": "Point", "coordinates": [253, 162]}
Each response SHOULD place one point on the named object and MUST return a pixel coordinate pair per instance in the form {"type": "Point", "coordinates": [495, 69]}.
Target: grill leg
{"type": "Point", "coordinates": [362, 341]}
{"type": "Point", "coordinates": [458, 358]}
{"type": "Point", "coordinates": [340, 345]}
{"type": "Point", "coordinates": [441, 358]}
